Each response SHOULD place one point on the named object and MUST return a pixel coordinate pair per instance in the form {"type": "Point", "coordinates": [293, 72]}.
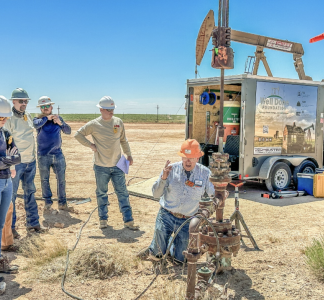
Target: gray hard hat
{"type": "Point", "coordinates": [19, 93]}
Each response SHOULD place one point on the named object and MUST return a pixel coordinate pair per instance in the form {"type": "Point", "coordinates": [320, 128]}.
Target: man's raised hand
{"type": "Point", "coordinates": [166, 170]}
{"type": "Point", "coordinates": [57, 120]}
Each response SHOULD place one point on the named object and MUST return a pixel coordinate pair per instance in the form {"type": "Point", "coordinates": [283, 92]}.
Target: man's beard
{"type": "Point", "coordinates": [22, 108]}
{"type": "Point", "coordinates": [47, 112]}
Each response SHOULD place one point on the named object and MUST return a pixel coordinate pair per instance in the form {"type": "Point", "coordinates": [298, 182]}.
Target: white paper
{"type": "Point", "coordinates": [123, 164]}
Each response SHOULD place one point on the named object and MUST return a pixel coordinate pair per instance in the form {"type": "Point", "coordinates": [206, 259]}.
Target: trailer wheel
{"type": "Point", "coordinates": [307, 167]}
{"type": "Point", "coordinates": [279, 177]}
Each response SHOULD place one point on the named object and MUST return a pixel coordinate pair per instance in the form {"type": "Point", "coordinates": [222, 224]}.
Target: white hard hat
{"type": "Point", "coordinates": [106, 102]}
{"type": "Point", "coordinates": [44, 100]}
{"type": "Point", "coordinates": [5, 108]}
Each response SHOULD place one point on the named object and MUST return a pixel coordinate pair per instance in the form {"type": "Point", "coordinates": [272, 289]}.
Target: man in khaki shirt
{"type": "Point", "coordinates": [108, 134]}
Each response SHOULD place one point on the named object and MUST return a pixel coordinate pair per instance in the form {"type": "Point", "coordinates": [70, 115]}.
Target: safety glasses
{"type": "Point", "coordinates": [45, 106]}
{"type": "Point", "coordinates": [3, 118]}
{"type": "Point", "coordinates": [23, 101]}
{"type": "Point", "coordinates": [109, 110]}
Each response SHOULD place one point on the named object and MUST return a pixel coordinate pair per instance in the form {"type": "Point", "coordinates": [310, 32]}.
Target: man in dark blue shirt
{"type": "Point", "coordinates": [49, 152]}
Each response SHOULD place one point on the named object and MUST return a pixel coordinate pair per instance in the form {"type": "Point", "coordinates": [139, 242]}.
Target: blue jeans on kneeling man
{"type": "Point", "coordinates": [117, 176]}
{"type": "Point", "coordinates": [165, 225]}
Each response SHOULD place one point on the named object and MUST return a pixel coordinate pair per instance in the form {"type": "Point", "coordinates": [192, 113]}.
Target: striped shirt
{"type": "Point", "coordinates": [178, 197]}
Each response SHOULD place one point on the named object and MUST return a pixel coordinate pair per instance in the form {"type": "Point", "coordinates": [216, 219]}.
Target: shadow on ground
{"type": "Point", "coordinates": [123, 235]}
{"type": "Point", "coordinates": [252, 191]}
{"type": "Point", "coordinates": [240, 283]}
{"type": "Point", "coordinates": [53, 216]}
{"type": "Point", "coordinates": [13, 289]}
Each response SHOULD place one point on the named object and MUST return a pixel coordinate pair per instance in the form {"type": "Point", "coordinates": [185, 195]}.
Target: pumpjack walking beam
{"type": "Point", "coordinates": [262, 42]}
{"type": "Point", "coordinates": [238, 217]}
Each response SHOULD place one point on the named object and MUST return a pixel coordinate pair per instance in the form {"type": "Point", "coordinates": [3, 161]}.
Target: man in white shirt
{"type": "Point", "coordinates": [180, 188]}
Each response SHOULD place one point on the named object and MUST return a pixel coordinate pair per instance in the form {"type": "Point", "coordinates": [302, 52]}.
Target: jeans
{"type": "Point", "coordinates": [5, 200]}
{"type": "Point", "coordinates": [103, 176]}
{"type": "Point", "coordinates": [165, 225]}
{"type": "Point", "coordinates": [57, 162]}
{"type": "Point", "coordinates": [26, 173]}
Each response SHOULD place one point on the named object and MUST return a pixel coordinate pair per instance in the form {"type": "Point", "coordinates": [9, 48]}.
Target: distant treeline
{"type": "Point", "coordinates": [127, 118]}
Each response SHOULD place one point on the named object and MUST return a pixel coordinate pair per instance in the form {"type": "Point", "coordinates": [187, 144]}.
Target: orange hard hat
{"type": "Point", "coordinates": [191, 149]}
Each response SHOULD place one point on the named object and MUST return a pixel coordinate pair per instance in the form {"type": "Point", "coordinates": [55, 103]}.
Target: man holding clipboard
{"type": "Point", "coordinates": [108, 134]}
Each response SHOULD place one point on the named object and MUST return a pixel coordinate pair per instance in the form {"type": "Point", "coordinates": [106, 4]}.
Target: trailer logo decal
{"type": "Point", "coordinates": [285, 119]}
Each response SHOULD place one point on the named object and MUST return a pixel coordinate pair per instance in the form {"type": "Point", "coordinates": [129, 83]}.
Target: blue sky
{"type": "Point", "coordinates": [139, 52]}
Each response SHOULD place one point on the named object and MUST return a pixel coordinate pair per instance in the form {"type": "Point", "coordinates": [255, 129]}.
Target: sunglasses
{"type": "Point", "coordinates": [109, 110]}
{"type": "Point", "coordinates": [45, 106]}
{"type": "Point", "coordinates": [3, 118]}
{"type": "Point", "coordinates": [23, 101]}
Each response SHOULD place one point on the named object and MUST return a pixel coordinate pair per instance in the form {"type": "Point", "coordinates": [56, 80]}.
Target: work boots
{"type": "Point", "coordinates": [103, 224]}
{"type": "Point", "coordinates": [15, 234]}
{"type": "Point", "coordinates": [11, 248]}
{"type": "Point", "coordinates": [47, 207]}
{"type": "Point", "coordinates": [146, 254]}
{"type": "Point", "coordinates": [130, 225]}
{"type": "Point", "coordinates": [65, 207]}
{"type": "Point", "coordinates": [37, 229]}
{"type": "Point", "coordinates": [5, 266]}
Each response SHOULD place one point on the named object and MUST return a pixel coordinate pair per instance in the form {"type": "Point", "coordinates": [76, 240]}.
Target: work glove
{"type": "Point", "coordinates": [11, 152]}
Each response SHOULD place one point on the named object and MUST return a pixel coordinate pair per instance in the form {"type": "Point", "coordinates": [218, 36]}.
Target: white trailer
{"type": "Point", "coordinates": [277, 134]}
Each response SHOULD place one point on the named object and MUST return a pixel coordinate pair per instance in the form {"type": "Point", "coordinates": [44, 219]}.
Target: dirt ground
{"type": "Point", "coordinates": [278, 271]}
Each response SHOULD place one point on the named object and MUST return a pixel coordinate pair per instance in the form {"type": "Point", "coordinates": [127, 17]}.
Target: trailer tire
{"type": "Point", "coordinates": [307, 167]}
{"type": "Point", "coordinates": [279, 177]}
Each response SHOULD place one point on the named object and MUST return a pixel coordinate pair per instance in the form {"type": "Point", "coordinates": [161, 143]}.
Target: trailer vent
{"type": "Point", "coordinates": [254, 162]}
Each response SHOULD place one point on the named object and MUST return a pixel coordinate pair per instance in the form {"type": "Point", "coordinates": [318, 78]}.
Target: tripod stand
{"type": "Point", "coordinates": [238, 217]}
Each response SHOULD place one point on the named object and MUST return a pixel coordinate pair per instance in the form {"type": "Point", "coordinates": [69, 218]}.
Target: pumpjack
{"type": "Point", "coordinates": [208, 29]}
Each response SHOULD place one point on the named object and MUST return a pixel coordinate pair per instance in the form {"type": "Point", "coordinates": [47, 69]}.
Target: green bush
{"type": "Point", "coordinates": [315, 257]}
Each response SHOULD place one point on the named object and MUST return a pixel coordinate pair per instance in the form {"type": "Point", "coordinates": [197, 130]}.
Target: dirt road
{"type": "Point", "coordinates": [277, 271]}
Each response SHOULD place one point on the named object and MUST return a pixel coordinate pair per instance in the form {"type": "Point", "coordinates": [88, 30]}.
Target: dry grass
{"type": "Point", "coordinates": [41, 251]}
{"type": "Point", "coordinates": [102, 262]}
{"type": "Point", "coordinates": [176, 290]}
{"type": "Point", "coordinates": [46, 258]}
{"type": "Point", "coordinates": [315, 257]}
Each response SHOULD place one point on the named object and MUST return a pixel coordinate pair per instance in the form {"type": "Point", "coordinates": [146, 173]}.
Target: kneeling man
{"type": "Point", "coordinates": [180, 188]}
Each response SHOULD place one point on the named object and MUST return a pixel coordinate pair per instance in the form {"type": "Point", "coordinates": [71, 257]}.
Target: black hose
{"type": "Point", "coordinates": [68, 255]}
{"type": "Point", "coordinates": [183, 224]}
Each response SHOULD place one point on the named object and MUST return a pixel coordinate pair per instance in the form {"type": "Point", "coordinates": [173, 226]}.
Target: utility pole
{"type": "Point", "coordinates": [58, 110]}
{"type": "Point", "coordinates": [157, 113]}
